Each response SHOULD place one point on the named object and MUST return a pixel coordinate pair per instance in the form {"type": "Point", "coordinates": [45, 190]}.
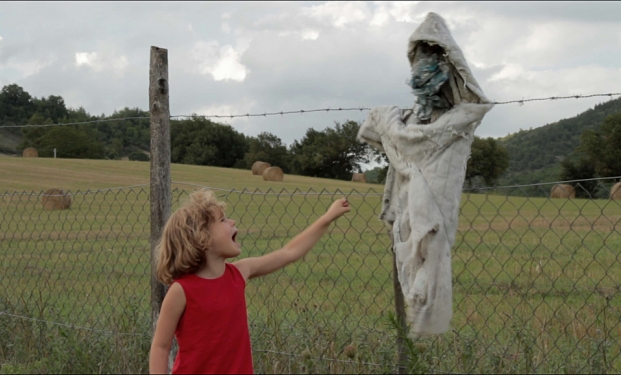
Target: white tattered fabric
{"type": "Point", "coordinates": [428, 162]}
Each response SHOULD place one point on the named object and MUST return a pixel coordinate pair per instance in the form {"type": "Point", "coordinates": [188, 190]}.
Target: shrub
{"type": "Point", "coordinates": [139, 156]}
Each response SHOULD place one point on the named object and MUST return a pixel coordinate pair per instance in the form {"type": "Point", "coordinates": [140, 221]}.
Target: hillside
{"type": "Point", "coordinates": [535, 154]}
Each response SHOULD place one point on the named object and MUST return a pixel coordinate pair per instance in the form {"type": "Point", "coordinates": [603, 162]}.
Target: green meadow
{"type": "Point", "coordinates": [536, 281]}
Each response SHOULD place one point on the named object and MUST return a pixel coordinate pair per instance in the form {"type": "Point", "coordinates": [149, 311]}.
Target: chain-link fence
{"type": "Point", "coordinates": [536, 283]}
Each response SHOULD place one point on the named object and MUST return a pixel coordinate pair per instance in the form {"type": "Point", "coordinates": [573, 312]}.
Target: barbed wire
{"type": "Point", "coordinates": [265, 114]}
{"type": "Point", "coordinates": [71, 325]}
{"type": "Point", "coordinates": [522, 101]}
{"type": "Point", "coordinates": [76, 123]}
{"type": "Point", "coordinates": [301, 111]}
{"type": "Point", "coordinates": [541, 183]}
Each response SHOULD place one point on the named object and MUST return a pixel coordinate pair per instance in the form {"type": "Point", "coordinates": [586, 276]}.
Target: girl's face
{"type": "Point", "coordinates": [223, 238]}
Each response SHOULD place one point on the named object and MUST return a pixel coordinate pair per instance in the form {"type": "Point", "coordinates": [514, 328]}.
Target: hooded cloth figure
{"type": "Point", "coordinates": [428, 149]}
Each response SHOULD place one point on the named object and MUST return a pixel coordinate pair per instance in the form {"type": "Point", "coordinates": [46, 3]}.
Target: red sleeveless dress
{"type": "Point", "coordinates": [212, 332]}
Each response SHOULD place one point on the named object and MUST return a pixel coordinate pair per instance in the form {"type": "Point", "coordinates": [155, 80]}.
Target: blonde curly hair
{"type": "Point", "coordinates": [187, 235]}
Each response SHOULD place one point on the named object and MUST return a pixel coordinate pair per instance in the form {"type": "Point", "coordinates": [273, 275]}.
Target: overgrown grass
{"type": "Point", "coordinates": [31, 345]}
{"type": "Point", "coordinates": [536, 286]}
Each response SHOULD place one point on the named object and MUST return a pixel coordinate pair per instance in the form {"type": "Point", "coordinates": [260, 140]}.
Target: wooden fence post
{"type": "Point", "coordinates": [160, 194]}
{"type": "Point", "coordinates": [399, 309]}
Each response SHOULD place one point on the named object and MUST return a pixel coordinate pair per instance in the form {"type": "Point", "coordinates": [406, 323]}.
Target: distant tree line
{"type": "Point", "coordinates": [597, 155]}
{"type": "Point", "coordinates": [329, 153]}
{"type": "Point", "coordinates": [332, 152]}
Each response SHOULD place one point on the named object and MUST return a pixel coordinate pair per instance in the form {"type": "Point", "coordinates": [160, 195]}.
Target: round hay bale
{"type": "Point", "coordinates": [273, 174]}
{"type": "Point", "coordinates": [358, 177]}
{"type": "Point", "coordinates": [56, 199]}
{"type": "Point", "coordinates": [30, 153]}
{"type": "Point", "coordinates": [563, 191]}
{"type": "Point", "coordinates": [615, 192]}
{"type": "Point", "coordinates": [258, 167]}
{"type": "Point", "coordinates": [255, 166]}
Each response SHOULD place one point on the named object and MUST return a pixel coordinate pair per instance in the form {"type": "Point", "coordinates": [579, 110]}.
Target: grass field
{"type": "Point", "coordinates": [536, 281]}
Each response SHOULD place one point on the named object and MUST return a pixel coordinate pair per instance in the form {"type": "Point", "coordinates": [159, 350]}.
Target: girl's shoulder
{"type": "Point", "coordinates": [177, 294]}
{"type": "Point", "coordinates": [231, 267]}
{"type": "Point", "coordinates": [184, 279]}
{"type": "Point", "coordinates": [235, 272]}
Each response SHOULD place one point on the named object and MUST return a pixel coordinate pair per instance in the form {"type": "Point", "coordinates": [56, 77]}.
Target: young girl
{"type": "Point", "coordinates": [205, 307]}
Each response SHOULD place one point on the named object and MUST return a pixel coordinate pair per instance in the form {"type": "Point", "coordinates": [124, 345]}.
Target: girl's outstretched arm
{"type": "Point", "coordinates": [294, 249]}
{"type": "Point", "coordinates": [172, 308]}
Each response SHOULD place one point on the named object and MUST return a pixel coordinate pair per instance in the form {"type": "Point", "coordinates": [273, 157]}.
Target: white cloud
{"type": "Point", "coordinates": [85, 58]}
{"type": "Point", "coordinates": [306, 34]}
{"type": "Point", "coordinates": [405, 12]}
{"type": "Point", "coordinates": [379, 18]}
{"type": "Point", "coordinates": [509, 72]}
{"type": "Point", "coordinates": [228, 66]}
{"type": "Point", "coordinates": [1, 39]}
{"type": "Point", "coordinates": [99, 62]}
{"type": "Point", "coordinates": [310, 34]}
{"type": "Point", "coordinates": [502, 40]}
{"type": "Point", "coordinates": [516, 82]}
{"type": "Point", "coordinates": [339, 14]}
{"type": "Point", "coordinates": [32, 67]}
{"type": "Point", "coordinates": [330, 54]}
{"type": "Point", "coordinates": [552, 43]}
{"type": "Point", "coordinates": [29, 67]}
{"type": "Point", "coordinates": [119, 63]}
{"type": "Point", "coordinates": [223, 63]}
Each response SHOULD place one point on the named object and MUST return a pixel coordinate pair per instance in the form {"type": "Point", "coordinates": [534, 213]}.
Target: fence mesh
{"type": "Point", "coordinates": [536, 283]}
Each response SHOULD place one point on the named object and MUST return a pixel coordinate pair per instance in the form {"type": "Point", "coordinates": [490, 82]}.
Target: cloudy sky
{"type": "Point", "coordinates": [229, 58]}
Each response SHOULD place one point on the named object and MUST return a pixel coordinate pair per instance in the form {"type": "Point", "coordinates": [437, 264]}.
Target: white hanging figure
{"type": "Point", "coordinates": [428, 149]}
